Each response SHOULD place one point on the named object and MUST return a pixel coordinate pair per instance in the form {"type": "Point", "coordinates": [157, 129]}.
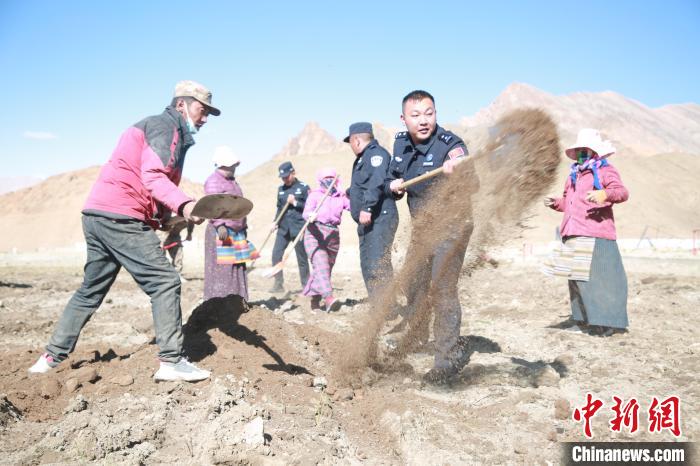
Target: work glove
{"type": "Point", "coordinates": [549, 201]}
{"type": "Point", "coordinates": [599, 196]}
{"type": "Point", "coordinates": [222, 232]}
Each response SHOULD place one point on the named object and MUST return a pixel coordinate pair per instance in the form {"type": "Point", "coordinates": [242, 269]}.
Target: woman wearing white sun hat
{"type": "Point", "coordinates": [589, 256]}
{"type": "Point", "coordinates": [226, 249]}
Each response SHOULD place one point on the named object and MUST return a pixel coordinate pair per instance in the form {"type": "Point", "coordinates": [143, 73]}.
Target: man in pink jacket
{"type": "Point", "coordinates": [135, 189]}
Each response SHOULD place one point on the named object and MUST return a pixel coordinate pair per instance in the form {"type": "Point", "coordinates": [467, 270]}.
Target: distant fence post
{"type": "Point", "coordinates": [644, 237]}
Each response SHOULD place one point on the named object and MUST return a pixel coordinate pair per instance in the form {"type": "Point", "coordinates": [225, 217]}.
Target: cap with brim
{"type": "Point", "coordinates": [197, 91]}
{"type": "Point", "coordinates": [285, 169]}
{"type": "Point", "coordinates": [358, 128]}
{"type": "Point", "coordinates": [589, 138]}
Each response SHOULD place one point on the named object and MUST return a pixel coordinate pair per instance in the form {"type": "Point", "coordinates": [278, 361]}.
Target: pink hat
{"type": "Point", "coordinates": [326, 173]}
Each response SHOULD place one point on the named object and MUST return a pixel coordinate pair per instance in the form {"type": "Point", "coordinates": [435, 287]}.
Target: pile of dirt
{"type": "Point", "coordinates": [8, 411]}
{"type": "Point", "coordinates": [484, 198]}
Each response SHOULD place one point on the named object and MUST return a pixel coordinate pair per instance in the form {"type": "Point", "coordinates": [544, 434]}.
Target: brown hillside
{"type": "Point", "coordinates": [47, 215]}
{"type": "Point", "coordinates": [660, 177]}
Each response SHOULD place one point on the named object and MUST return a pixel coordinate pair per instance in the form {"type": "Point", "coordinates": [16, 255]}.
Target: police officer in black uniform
{"type": "Point", "coordinates": [294, 193]}
{"type": "Point", "coordinates": [424, 147]}
{"type": "Point", "coordinates": [370, 206]}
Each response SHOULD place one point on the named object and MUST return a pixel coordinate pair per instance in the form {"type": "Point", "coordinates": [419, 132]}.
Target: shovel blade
{"type": "Point", "coordinates": [274, 270]}
{"type": "Point", "coordinates": [222, 206]}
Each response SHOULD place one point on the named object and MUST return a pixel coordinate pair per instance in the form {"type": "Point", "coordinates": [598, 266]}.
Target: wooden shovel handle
{"type": "Point", "coordinates": [284, 209]}
{"type": "Point", "coordinates": [421, 178]}
{"type": "Point", "coordinates": [276, 222]}
{"type": "Point", "coordinates": [427, 175]}
{"type": "Point", "coordinates": [269, 233]}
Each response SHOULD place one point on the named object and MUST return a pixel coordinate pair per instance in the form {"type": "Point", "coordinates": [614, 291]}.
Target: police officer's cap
{"type": "Point", "coordinates": [358, 128]}
{"type": "Point", "coordinates": [285, 169]}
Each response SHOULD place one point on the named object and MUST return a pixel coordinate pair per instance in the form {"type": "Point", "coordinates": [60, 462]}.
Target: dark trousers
{"type": "Point", "coordinates": [376, 240]}
{"type": "Point", "coordinates": [438, 278]}
{"type": "Point", "coordinates": [282, 240]}
{"type": "Point", "coordinates": [111, 245]}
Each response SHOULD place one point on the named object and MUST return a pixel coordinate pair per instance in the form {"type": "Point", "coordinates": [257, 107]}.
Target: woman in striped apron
{"type": "Point", "coordinates": [588, 255]}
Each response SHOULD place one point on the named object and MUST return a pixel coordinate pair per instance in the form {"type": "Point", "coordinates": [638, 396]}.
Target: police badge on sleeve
{"type": "Point", "coordinates": [376, 160]}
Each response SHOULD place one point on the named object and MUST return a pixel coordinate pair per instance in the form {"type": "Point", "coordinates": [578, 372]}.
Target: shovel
{"type": "Point", "coordinates": [425, 176]}
{"type": "Point", "coordinates": [277, 268]}
{"type": "Point", "coordinates": [228, 206]}
{"type": "Point", "coordinates": [277, 221]}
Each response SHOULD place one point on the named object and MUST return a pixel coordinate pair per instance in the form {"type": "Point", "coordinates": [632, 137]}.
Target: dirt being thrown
{"type": "Point", "coordinates": [485, 198]}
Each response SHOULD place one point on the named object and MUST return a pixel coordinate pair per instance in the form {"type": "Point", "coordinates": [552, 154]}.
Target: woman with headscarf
{"type": "Point", "coordinates": [322, 237]}
{"type": "Point", "coordinates": [226, 247]}
{"type": "Point", "coordinates": [588, 255]}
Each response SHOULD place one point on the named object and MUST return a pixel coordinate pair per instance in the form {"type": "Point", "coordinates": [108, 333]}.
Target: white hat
{"type": "Point", "coordinates": [590, 138]}
{"type": "Point", "coordinates": [224, 157]}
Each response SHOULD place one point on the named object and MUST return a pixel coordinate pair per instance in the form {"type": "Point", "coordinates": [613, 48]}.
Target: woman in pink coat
{"type": "Point", "coordinates": [589, 256]}
{"type": "Point", "coordinates": [322, 237]}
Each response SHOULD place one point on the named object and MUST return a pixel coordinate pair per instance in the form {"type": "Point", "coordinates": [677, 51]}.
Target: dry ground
{"type": "Point", "coordinates": [261, 407]}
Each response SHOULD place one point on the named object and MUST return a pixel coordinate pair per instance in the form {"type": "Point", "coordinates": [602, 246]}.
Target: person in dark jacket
{"type": "Point", "coordinates": [373, 210]}
{"type": "Point", "coordinates": [293, 192]}
{"type": "Point", "coordinates": [423, 147]}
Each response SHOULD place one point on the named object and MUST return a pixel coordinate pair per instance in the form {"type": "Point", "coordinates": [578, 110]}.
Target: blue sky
{"type": "Point", "coordinates": [77, 73]}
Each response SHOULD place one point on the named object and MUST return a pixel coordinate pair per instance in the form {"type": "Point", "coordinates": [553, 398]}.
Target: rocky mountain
{"type": "Point", "coordinates": [630, 124]}
{"type": "Point", "coordinates": [311, 140]}
{"type": "Point", "coordinates": [658, 156]}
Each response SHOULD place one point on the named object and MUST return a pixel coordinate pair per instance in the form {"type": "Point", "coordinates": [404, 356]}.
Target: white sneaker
{"type": "Point", "coordinates": [181, 370]}
{"type": "Point", "coordinates": [44, 364]}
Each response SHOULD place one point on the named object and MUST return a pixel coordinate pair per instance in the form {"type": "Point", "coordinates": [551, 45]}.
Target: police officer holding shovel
{"type": "Point", "coordinates": [424, 147]}
{"type": "Point", "coordinates": [294, 193]}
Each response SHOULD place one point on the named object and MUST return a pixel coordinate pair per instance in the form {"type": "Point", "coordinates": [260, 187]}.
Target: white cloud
{"type": "Point", "coordinates": [39, 135]}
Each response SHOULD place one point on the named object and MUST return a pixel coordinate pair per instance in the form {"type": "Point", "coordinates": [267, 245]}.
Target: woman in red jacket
{"type": "Point", "coordinates": [589, 256]}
